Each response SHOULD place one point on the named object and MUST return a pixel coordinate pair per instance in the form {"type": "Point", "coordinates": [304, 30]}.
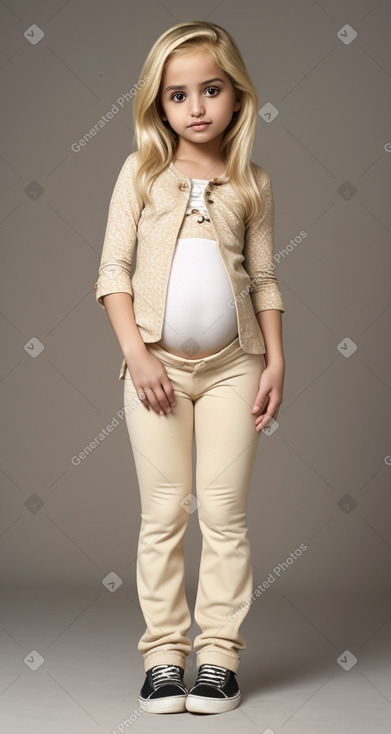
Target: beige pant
{"type": "Point", "coordinates": [214, 397]}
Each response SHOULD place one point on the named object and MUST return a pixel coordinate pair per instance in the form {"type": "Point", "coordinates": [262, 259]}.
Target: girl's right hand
{"type": "Point", "coordinates": [152, 384]}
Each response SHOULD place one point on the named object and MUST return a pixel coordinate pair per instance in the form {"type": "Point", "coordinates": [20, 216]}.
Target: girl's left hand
{"type": "Point", "coordinates": [270, 394]}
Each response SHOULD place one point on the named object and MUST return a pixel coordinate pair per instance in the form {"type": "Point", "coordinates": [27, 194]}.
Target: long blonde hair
{"type": "Point", "coordinates": [157, 143]}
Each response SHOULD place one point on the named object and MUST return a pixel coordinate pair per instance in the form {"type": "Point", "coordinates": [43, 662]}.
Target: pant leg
{"type": "Point", "coordinates": [162, 450]}
{"type": "Point", "coordinates": [226, 445]}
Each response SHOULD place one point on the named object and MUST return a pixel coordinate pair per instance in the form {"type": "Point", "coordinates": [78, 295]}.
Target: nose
{"type": "Point", "coordinates": [196, 105]}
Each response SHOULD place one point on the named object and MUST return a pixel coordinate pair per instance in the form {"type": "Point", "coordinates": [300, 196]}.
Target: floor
{"type": "Point", "coordinates": [313, 663]}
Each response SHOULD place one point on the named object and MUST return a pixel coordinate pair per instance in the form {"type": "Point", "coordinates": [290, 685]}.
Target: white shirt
{"type": "Point", "coordinates": [197, 319]}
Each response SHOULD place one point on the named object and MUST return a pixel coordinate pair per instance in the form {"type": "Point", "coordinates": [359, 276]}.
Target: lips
{"type": "Point", "coordinates": [199, 124]}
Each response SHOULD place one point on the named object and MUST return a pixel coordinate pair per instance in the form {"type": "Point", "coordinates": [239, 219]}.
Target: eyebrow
{"type": "Point", "coordinates": [201, 84]}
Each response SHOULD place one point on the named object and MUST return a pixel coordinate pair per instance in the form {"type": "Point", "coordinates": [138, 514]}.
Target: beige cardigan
{"type": "Point", "coordinates": [246, 253]}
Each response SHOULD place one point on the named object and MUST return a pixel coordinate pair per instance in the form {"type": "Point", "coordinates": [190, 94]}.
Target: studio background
{"type": "Point", "coordinates": [69, 529]}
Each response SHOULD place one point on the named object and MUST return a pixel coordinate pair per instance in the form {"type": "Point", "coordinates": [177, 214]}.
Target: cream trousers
{"type": "Point", "coordinates": [214, 396]}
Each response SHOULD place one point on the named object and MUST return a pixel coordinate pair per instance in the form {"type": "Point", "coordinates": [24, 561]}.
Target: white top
{"type": "Point", "coordinates": [196, 200]}
{"type": "Point", "coordinates": [198, 316]}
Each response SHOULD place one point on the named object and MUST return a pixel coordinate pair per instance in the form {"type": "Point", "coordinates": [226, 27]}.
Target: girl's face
{"type": "Point", "coordinates": [194, 89]}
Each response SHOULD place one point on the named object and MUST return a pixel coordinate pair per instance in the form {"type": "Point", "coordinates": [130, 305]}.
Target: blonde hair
{"type": "Point", "coordinates": [157, 142]}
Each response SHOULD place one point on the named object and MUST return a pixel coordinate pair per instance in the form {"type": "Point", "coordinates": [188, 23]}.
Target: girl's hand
{"type": "Point", "coordinates": [269, 397]}
{"type": "Point", "coordinates": [152, 384]}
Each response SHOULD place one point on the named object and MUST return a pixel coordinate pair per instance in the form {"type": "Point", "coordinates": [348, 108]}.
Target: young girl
{"type": "Point", "coordinates": [199, 325]}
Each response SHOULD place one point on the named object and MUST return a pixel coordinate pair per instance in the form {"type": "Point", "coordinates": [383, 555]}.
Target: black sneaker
{"type": "Point", "coordinates": [216, 690]}
{"type": "Point", "coordinates": [164, 691]}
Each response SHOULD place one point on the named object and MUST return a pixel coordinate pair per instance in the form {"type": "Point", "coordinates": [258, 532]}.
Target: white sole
{"type": "Point", "coordinates": [204, 705]}
{"type": "Point", "coordinates": [165, 705]}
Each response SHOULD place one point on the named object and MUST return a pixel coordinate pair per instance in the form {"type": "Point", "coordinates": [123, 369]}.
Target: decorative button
{"type": "Point", "coordinates": [201, 218]}
{"type": "Point", "coordinates": [183, 186]}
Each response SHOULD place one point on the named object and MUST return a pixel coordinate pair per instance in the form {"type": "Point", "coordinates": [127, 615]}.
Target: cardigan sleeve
{"type": "Point", "coordinates": [119, 243]}
{"type": "Point", "coordinates": [258, 250]}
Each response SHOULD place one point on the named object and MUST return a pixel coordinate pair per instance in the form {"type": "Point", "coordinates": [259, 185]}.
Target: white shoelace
{"type": "Point", "coordinates": [212, 675]}
{"type": "Point", "coordinates": [162, 674]}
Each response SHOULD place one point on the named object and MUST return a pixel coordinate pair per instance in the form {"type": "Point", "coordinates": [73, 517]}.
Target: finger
{"type": "Point", "coordinates": [153, 400]}
{"type": "Point", "coordinates": [169, 390]}
{"type": "Point", "coordinates": [164, 405]}
{"type": "Point", "coordinates": [260, 402]}
{"type": "Point", "coordinates": [272, 407]}
{"type": "Point", "coordinates": [143, 397]}
{"type": "Point", "coordinates": [263, 422]}
{"type": "Point", "coordinates": [262, 419]}
{"type": "Point", "coordinates": [164, 393]}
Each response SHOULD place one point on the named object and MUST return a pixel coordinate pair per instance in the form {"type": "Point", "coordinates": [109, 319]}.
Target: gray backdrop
{"type": "Point", "coordinates": [69, 529]}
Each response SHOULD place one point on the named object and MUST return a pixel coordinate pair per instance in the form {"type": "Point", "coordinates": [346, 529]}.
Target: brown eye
{"type": "Point", "coordinates": [175, 95]}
